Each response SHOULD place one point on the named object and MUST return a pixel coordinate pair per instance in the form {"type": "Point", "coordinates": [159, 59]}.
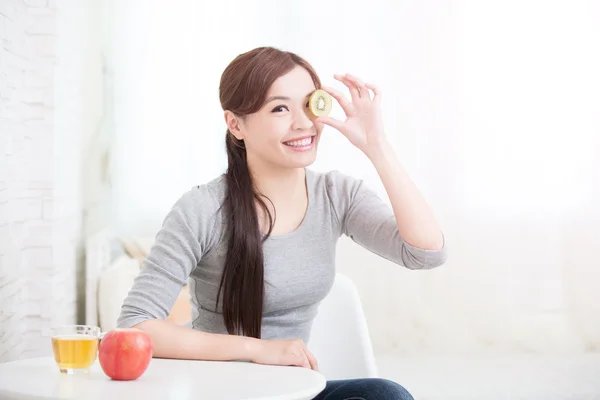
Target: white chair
{"type": "Point", "coordinates": [340, 338]}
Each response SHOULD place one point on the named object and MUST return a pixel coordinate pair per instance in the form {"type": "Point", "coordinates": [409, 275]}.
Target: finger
{"type": "Point", "coordinates": [376, 91]}
{"type": "Point", "coordinates": [341, 99]}
{"type": "Point", "coordinates": [334, 123]}
{"type": "Point", "coordinates": [353, 89]}
{"type": "Point", "coordinates": [305, 362]}
{"type": "Point", "coordinates": [314, 365]}
{"type": "Point", "coordinates": [364, 93]}
{"type": "Point", "coordinates": [299, 359]}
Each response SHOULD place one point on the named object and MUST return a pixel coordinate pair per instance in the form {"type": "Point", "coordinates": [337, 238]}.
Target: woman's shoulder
{"type": "Point", "coordinates": [203, 199]}
{"type": "Point", "coordinates": [336, 190]}
{"type": "Point", "coordinates": [335, 183]}
{"type": "Point", "coordinates": [216, 188]}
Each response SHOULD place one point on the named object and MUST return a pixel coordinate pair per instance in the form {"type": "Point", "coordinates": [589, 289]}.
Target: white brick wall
{"type": "Point", "coordinates": [26, 182]}
{"type": "Point", "coordinates": [40, 164]}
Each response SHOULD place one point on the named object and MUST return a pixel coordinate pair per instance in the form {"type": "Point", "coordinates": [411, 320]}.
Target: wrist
{"type": "Point", "coordinates": [378, 151]}
{"type": "Point", "coordinates": [251, 348]}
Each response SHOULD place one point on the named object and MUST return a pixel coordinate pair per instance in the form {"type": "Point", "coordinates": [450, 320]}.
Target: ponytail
{"type": "Point", "coordinates": [242, 281]}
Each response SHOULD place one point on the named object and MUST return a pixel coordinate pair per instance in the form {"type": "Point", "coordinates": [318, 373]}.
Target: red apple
{"type": "Point", "coordinates": [124, 354]}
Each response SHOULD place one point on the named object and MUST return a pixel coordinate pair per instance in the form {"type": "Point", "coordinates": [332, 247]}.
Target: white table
{"type": "Point", "coordinates": [39, 378]}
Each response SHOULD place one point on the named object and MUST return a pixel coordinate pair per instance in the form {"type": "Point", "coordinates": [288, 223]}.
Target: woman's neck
{"type": "Point", "coordinates": [278, 184]}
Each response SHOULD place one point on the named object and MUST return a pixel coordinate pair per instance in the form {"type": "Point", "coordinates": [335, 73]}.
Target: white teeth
{"type": "Point", "coordinates": [299, 143]}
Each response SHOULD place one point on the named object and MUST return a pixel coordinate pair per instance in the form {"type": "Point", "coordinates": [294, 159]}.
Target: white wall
{"type": "Point", "coordinates": [26, 177]}
{"type": "Point", "coordinates": [491, 106]}
{"type": "Point", "coordinates": [49, 86]}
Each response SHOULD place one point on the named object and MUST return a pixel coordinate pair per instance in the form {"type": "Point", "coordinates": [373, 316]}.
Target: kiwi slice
{"type": "Point", "coordinates": [319, 103]}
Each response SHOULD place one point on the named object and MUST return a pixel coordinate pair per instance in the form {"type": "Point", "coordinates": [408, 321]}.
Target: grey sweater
{"type": "Point", "coordinates": [299, 267]}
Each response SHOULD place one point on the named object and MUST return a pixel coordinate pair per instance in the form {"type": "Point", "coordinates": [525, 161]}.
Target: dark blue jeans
{"type": "Point", "coordinates": [363, 389]}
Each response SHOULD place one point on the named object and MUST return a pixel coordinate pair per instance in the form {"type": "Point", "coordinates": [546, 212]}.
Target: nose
{"type": "Point", "coordinates": [302, 121]}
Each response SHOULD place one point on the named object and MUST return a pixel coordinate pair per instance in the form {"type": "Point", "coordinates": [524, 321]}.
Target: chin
{"type": "Point", "coordinates": [305, 162]}
{"type": "Point", "coordinates": [301, 160]}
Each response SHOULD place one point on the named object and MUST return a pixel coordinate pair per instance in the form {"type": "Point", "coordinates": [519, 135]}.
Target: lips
{"type": "Point", "coordinates": [300, 142]}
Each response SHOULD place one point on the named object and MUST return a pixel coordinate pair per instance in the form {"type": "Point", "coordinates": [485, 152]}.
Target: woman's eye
{"type": "Point", "coordinates": [280, 109]}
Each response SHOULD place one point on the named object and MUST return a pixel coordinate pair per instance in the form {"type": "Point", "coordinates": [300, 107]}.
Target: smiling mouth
{"type": "Point", "coordinates": [305, 144]}
{"type": "Point", "coordinates": [301, 143]}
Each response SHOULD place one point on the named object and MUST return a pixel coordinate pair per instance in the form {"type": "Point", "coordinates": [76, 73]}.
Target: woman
{"type": "Point", "coordinates": [258, 243]}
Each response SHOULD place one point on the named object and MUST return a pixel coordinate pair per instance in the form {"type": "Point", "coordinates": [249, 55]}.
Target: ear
{"type": "Point", "coordinates": [234, 124]}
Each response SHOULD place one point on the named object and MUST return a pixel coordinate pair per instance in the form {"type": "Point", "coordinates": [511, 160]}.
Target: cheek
{"type": "Point", "coordinates": [319, 128]}
{"type": "Point", "coordinates": [268, 132]}
{"type": "Point", "coordinates": [275, 130]}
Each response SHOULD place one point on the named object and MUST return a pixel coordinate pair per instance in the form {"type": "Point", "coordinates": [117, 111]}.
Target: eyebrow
{"type": "Point", "coordinates": [270, 99]}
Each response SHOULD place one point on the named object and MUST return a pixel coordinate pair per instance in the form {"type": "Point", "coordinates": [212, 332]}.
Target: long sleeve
{"type": "Point", "coordinates": [186, 234]}
{"type": "Point", "coordinates": [371, 223]}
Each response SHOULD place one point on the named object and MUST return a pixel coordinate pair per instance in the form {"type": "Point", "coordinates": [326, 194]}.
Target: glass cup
{"type": "Point", "coordinates": [75, 348]}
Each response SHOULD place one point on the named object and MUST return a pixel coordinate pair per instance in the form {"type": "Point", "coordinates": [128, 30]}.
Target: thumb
{"type": "Point", "coordinates": [334, 123]}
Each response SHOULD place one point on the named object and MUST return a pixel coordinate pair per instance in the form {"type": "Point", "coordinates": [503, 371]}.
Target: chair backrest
{"type": "Point", "coordinates": [340, 338]}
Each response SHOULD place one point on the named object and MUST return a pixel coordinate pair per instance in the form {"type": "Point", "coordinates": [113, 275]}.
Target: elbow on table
{"type": "Point", "coordinates": [133, 318]}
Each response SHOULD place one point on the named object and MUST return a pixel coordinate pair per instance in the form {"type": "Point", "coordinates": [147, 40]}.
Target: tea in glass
{"type": "Point", "coordinates": [75, 348]}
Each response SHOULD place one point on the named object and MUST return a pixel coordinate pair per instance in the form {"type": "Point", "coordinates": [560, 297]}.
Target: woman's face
{"type": "Point", "coordinates": [282, 133]}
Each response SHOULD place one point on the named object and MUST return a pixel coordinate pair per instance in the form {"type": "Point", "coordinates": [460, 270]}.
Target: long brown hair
{"type": "Point", "coordinates": [243, 90]}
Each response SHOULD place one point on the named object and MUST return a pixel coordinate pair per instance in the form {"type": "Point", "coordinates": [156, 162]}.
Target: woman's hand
{"type": "Point", "coordinates": [364, 122]}
{"type": "Point", "coordinates": [284, 352]}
